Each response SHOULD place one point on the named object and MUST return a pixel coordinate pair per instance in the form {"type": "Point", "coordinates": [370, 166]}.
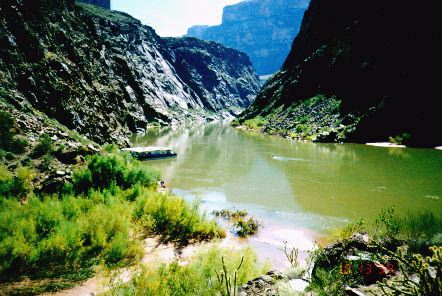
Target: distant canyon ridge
{"type": "Point", "coordinates": [263, 29]}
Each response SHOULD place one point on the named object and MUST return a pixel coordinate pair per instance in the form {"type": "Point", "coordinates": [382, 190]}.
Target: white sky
{"type": "Point", "coordinates": [174, 17]}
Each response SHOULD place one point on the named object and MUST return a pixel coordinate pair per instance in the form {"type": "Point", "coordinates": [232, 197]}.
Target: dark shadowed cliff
{"type": "Point", "coordinates": [358, 71]}
{"type": "Point", "coordinates": [104, 74]}
{"type": "Point", "coordinates": [264, 29]}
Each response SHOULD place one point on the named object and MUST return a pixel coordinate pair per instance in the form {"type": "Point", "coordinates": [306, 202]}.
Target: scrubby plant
{"type": "Point", "coordinates": [174, 218]}
{"type": "Point", "coordinates": [417, 258]}
{"type": "Point", "coordinates": [43, 147]}
{"type": "Point", "coordinates": [9, 141]}
{"type": "Point", "coordinates": [225, 279]}
{"type": "Point", "coordinates": [16, 186]}
{"type": "Point", "coordinates": [230, 214]}
{"type": "Point", "coordinates": [255, 123]}
{"type": "Point", "coordinates": [6, 134]}
{"type": "Point", "coordinates": [89, 223]}
{"type": "Point", "coordinates": [427, 269]}
{"type": "Point", "coordinates": [291, 254]}
{"type": "Point", "coordinates": [195, 278]}
{"type": "Point", "coordinates": [242, 225]}
{"type": "Point", "coordinates": [401, 139]}
{"type": "Point", "coordinates": [245, 227]}
{"type": "Point", "coordinates": [120, 170]}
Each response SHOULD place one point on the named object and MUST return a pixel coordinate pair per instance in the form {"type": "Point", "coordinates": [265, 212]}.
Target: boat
{"type": "Point", "coordinates": [150, 152]}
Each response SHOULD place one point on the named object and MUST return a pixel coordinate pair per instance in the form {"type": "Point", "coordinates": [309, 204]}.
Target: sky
{"type": "Point", "coordinates": [171, 18]}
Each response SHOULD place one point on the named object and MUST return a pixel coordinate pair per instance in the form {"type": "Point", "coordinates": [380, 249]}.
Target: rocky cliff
{"type": "Point", "coordinates": [104, 74]}
{"type": "Point", "coordinates": [101, 3]}
{"type": "Point", "coordinates": [264, 29]}
{"type": "Point", "coordinates": [212, 71]}
{"type": "Point", "coordinates": [358, 72]}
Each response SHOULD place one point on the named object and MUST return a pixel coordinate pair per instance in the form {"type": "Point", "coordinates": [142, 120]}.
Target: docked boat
{"type": "Point", "coordinates": [150, 152]}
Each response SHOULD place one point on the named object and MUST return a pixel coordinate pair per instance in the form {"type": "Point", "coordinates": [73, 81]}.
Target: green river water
{"type": "Point", "coordinates": [299, 191]}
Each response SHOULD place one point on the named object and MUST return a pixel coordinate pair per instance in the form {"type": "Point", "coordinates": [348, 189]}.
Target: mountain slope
{"type": "Point", "coordinates": [101, 3]}
{"type": "Point", "coordinates": [98, 72]}
{"type": "Point", "coordinates": [264, 29]}
{"type": "Point", "coordinates": [358, 72]}
{"type": "Point", "coordinates": [211, 71]}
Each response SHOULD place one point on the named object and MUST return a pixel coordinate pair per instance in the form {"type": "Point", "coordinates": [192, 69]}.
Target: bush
{"type": "Point", "coordinates": [52, 236]}
{"type": "Point", "coordinates": [18, 186]}
{"type": "Point", "coordinates": [402, 139]}
{"type": "Point", "coordinates": [198, 277]}
{"type": "Point", "coordinates": [8, 140]}
{"type": "Point", "coordinates": [174, 218]}
{"type": "Point", "coordinates": [44, 146]}
{"type": "Point", "coordinates": [19, 145]}
{"type": "Point", "coordinates": [97, 218]}
{"type": "Point", "coordinates": [241, 225]}
{"type": "Point", "coordinates": [6, 135]}
{"type": "Point", "coordinates": [246, 227]}
{"type": "Point", "coordinates": [428, 270]}
{"type": "Point", "coordinates": [104, 171]}
{"type": "Point", "coordinates": [255, 123]}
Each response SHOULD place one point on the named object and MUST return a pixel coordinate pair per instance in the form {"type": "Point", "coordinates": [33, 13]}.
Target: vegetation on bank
{"type": "Point", "coordinates": [408, 247]}
{"type": "Point", "coordinates": [198, 277]}
{"type": "Point", "coordinates": [99, 217]}
{"type": "Point", "coordinates": [314, 119]}
{"type": "Point", "coordinates": [242, 225]}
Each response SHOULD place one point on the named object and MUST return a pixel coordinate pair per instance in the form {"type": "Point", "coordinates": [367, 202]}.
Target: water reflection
{"type": "Point", "coordinates": [306, 184]}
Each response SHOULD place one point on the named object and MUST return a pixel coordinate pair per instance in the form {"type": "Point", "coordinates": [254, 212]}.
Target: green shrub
{"type": "Point", "coordinates": [8, 140]}
{"type": "Point", "coordinates": [427, 269]}
{"type": "Point", "coordinates": [104, 170]}
{"type": "Point", "coordinates": [230, 214]}
{"type": "Point", "coordinates": [44, 146]}
{"type": "Point", "coordinates": [255, 123]}
{"type": "Point", "coordinates": [198, 277]}
{"type": "Point", "coordinates": [9, 156]}
{"type": "Point", "coordinates": [246, 227]}
{"type": "Point", "coordinates": [52, 236]}
{"type": "Point", "coordinates": [18, 186]}
{"type": "Point", "coordinates": [402, 139]}
{"type": "Point", "coordinates": [6, 135]}
{"type": "Point", "coordinates": [174, 218]}
{"type": "Point", "coordinates": [241, 225]}
{"type": "Point", "coordinates": [19, 145]}
{"type": "Point", "coordinates": [97, 218]}
{"type": "Point", "coordinates": [235, 123]}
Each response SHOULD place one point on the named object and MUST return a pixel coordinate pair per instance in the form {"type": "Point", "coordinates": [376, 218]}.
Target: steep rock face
{"type": "Point", "coordinates": [101, 3]}
{"type": "Point", "coordinates": [96, 71]}
{"type": "Point", "coordinates": [224, 78]}
{"type": "Point", "coordinates": [358, 72]}
{"type": "Point", "coordinates": [264, 29]}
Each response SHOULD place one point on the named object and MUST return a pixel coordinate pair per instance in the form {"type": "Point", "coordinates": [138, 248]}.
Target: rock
{"type": "Point", "coordinates": [263, 285]}
{"type": "Point", "coordinates": [338, 59]}
{"type": "Point", "coordinates": [60, 173]}
{"type": "Point", "coordinates": [90, 146]}
{"type": "Point", "coordinates": [360, 239]}
{"type": "Point", "coordinates": [268, 279]}
{"type": "Point", "coordinates": [125, 78]}
{"type": "Point", "coordinates": [263, 29]}
{"type": "Point", "coordinates": [353, 292]}
{"type": "Point", "coordinates": [298, 285]}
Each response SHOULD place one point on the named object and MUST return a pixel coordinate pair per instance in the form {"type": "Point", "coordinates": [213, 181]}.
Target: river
{"type": "Point", "coordinates": [299, 191]}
